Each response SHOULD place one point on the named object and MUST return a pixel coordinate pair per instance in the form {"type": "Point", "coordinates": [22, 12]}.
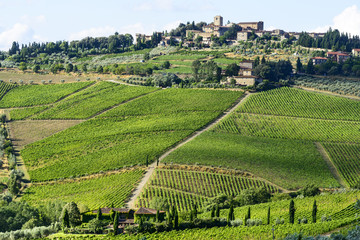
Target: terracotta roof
{"type": "Point", "coordinates": [356, 49]}
{"type": "Point", "coordinates": [322, 58]}
{"type": "Point", "coordinates": [337, 53]}
{"type": "Point", "coordinates": [107, 210]}
{"type": "Point", "coordinates": [150, 211]}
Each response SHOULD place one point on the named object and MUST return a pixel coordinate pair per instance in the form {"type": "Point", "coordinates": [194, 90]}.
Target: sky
{"type": "Point", "coordinates": [46, 20]}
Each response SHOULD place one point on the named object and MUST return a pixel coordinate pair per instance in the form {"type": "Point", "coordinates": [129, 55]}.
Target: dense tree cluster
{"type": "Point", "coordinates": [332, 40]}
{"type": "Point", "coordinates": [207, 71]}
{"type": "Point", "coordinates": [113, 44]}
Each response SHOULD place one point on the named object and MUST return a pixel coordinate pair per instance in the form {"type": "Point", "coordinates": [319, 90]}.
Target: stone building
{"type": "Point", "coordinates": [257, 26]}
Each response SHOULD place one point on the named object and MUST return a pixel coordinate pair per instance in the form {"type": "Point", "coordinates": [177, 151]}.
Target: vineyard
{"type": "Point", "coordinates": [184, 188]}
{"type": "Point", "coordinates": [4, 88]}
{"type": "Point", "coordinates": [272, 135]}
{"type": "Point", "coordinates": [346, 158]}
{"type": "Point", "coordinates": [298, 103]}
{"type": "Point", "coordinates": [102, 191]}
{"type": "Point", "coordinates": [23, 113]}
{"type": "Point", "coordinates": [288, 163]}
{"type": "Point", "coordinates": [32, 95]}
{"type": "Point", "coordinates": [291, 128]}
{"type": "Point", "coordinates": [125, 135]}
{"type": "Point", "coordinates": [92, 100]}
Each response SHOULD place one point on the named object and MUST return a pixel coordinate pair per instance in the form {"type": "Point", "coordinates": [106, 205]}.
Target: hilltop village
{"type": "Point", "coordinates": [244, 31]}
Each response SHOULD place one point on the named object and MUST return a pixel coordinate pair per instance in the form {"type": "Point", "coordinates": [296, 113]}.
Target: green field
{"type": "Point", "coordinates": [288, 163]}
{"type": "Point", "coordinates": [101, 191]}
{"type": "Point", "coordinates": [346, 158]}
{"type": "Point", "coordinates": [93, 100]}
{"type": "Point", "coordinates": [291, 128]}
{"type": "Point", "coordinates": [125, 135]}
{"type": "Point", "coordinates": [298, 103]}
{"type": "Point", "coordinates": [5, 87]}
{"type": "Point", "coordinates": [184, 188]}
{"type": "Point", "coordinates": [23, 113]}
{"type": "Point", "coordinates": [32, 95]}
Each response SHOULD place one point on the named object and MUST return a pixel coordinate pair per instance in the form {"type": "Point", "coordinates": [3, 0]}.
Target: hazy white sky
{"type": "Point", "coordinates": [46, 20]}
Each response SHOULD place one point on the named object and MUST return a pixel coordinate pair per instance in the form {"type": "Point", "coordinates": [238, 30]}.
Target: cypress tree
{"type": "Point", "coordinates": [213, 211]}
{"type": "Point", "coordinates": [157, 216]}
{"type": "Point", "coordinates": [248, 214]}
{"type": "Point", "coordinates": [195, 210]}
{"type": "Point", "coordinates": [217, 210]}
{"type": "Point", "coordinates": [147, 160]}
{"type": "Point", "coordinates": [116, 223]}
{"type": "Point", "coordinates": [99, 214]}
{"type": "Point", "coordinates": [314, 212]}
{"type": "Point", "coordinates": [176, 220]}
{"type": "Point", "coordinates": [231, 214]}
{"type": "Point", "coordinates": [268, 216]}
{"type": "Point", "coordinates": [292, 212]}
{"type": "Point", "coordinates": [263, 61]}
{"type": "Point", "coordinates": [65, 218]}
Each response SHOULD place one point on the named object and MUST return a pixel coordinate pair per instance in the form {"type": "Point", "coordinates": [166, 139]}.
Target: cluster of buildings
{"type": "Point", "coordinates": [218, 29]}
{"type": "Point", "coordinates": [338, 57]}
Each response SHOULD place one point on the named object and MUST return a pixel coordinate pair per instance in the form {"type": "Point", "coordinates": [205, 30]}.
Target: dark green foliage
{"type": "Point", "coordinates": [217, 211]}
{"type": "Point", "coordinates": [213, 211]}
{"type": "Point", "coordinates": [232, 69]}
{"type": "Point", "coordinates": [157, 216]}
{"type": "Point", "coordinates": [310, 67]}
{"type": "Point", "coordinates": [299, 66]}
{"type": "Point", "coordinates": [314, 212]}
{"type": "Point", "coordinates": [292, 212]}
{"type": "Point", "coordinates": [310, 190]}
{"type": "Point", "coordinates": [115, 223]}
{"type": "Point", "coordinates": [65, 219]}
{"type": "Point", "coordinates": [231, 215]}
{"type": "Point", "coordinates": [14, 215]}
{"type": "Point", "coordinates": [268, 217]}
{"type": "Point", "coordinates": [73, 212]}
{"type": "Point", "coordinates": [99, 214]}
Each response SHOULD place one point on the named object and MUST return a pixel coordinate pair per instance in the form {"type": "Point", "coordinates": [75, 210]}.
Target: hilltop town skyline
{"type": "Point", "coordinates": [28, 21]}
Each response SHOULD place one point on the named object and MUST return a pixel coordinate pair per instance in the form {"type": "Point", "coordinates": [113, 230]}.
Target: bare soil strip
{"type": "Point", "coordinates": [135, 194]}
{"type": "Point", "coordinates": [29, 131]}
{"type": "Point", "coordinates": [334, 171]}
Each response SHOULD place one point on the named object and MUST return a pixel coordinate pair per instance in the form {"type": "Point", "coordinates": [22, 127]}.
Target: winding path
{"type": "Point", "coordinates": [135, 194]}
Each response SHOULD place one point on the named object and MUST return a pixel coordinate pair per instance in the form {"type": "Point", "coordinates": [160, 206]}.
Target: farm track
{"type": "Point", "coordinates": [334, 171]}
{"type": "Point", "coordinates": [151, 168]}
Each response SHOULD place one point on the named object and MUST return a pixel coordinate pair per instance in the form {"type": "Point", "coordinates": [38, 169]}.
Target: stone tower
{"type": "Point", "coordinates": [218, 20]}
